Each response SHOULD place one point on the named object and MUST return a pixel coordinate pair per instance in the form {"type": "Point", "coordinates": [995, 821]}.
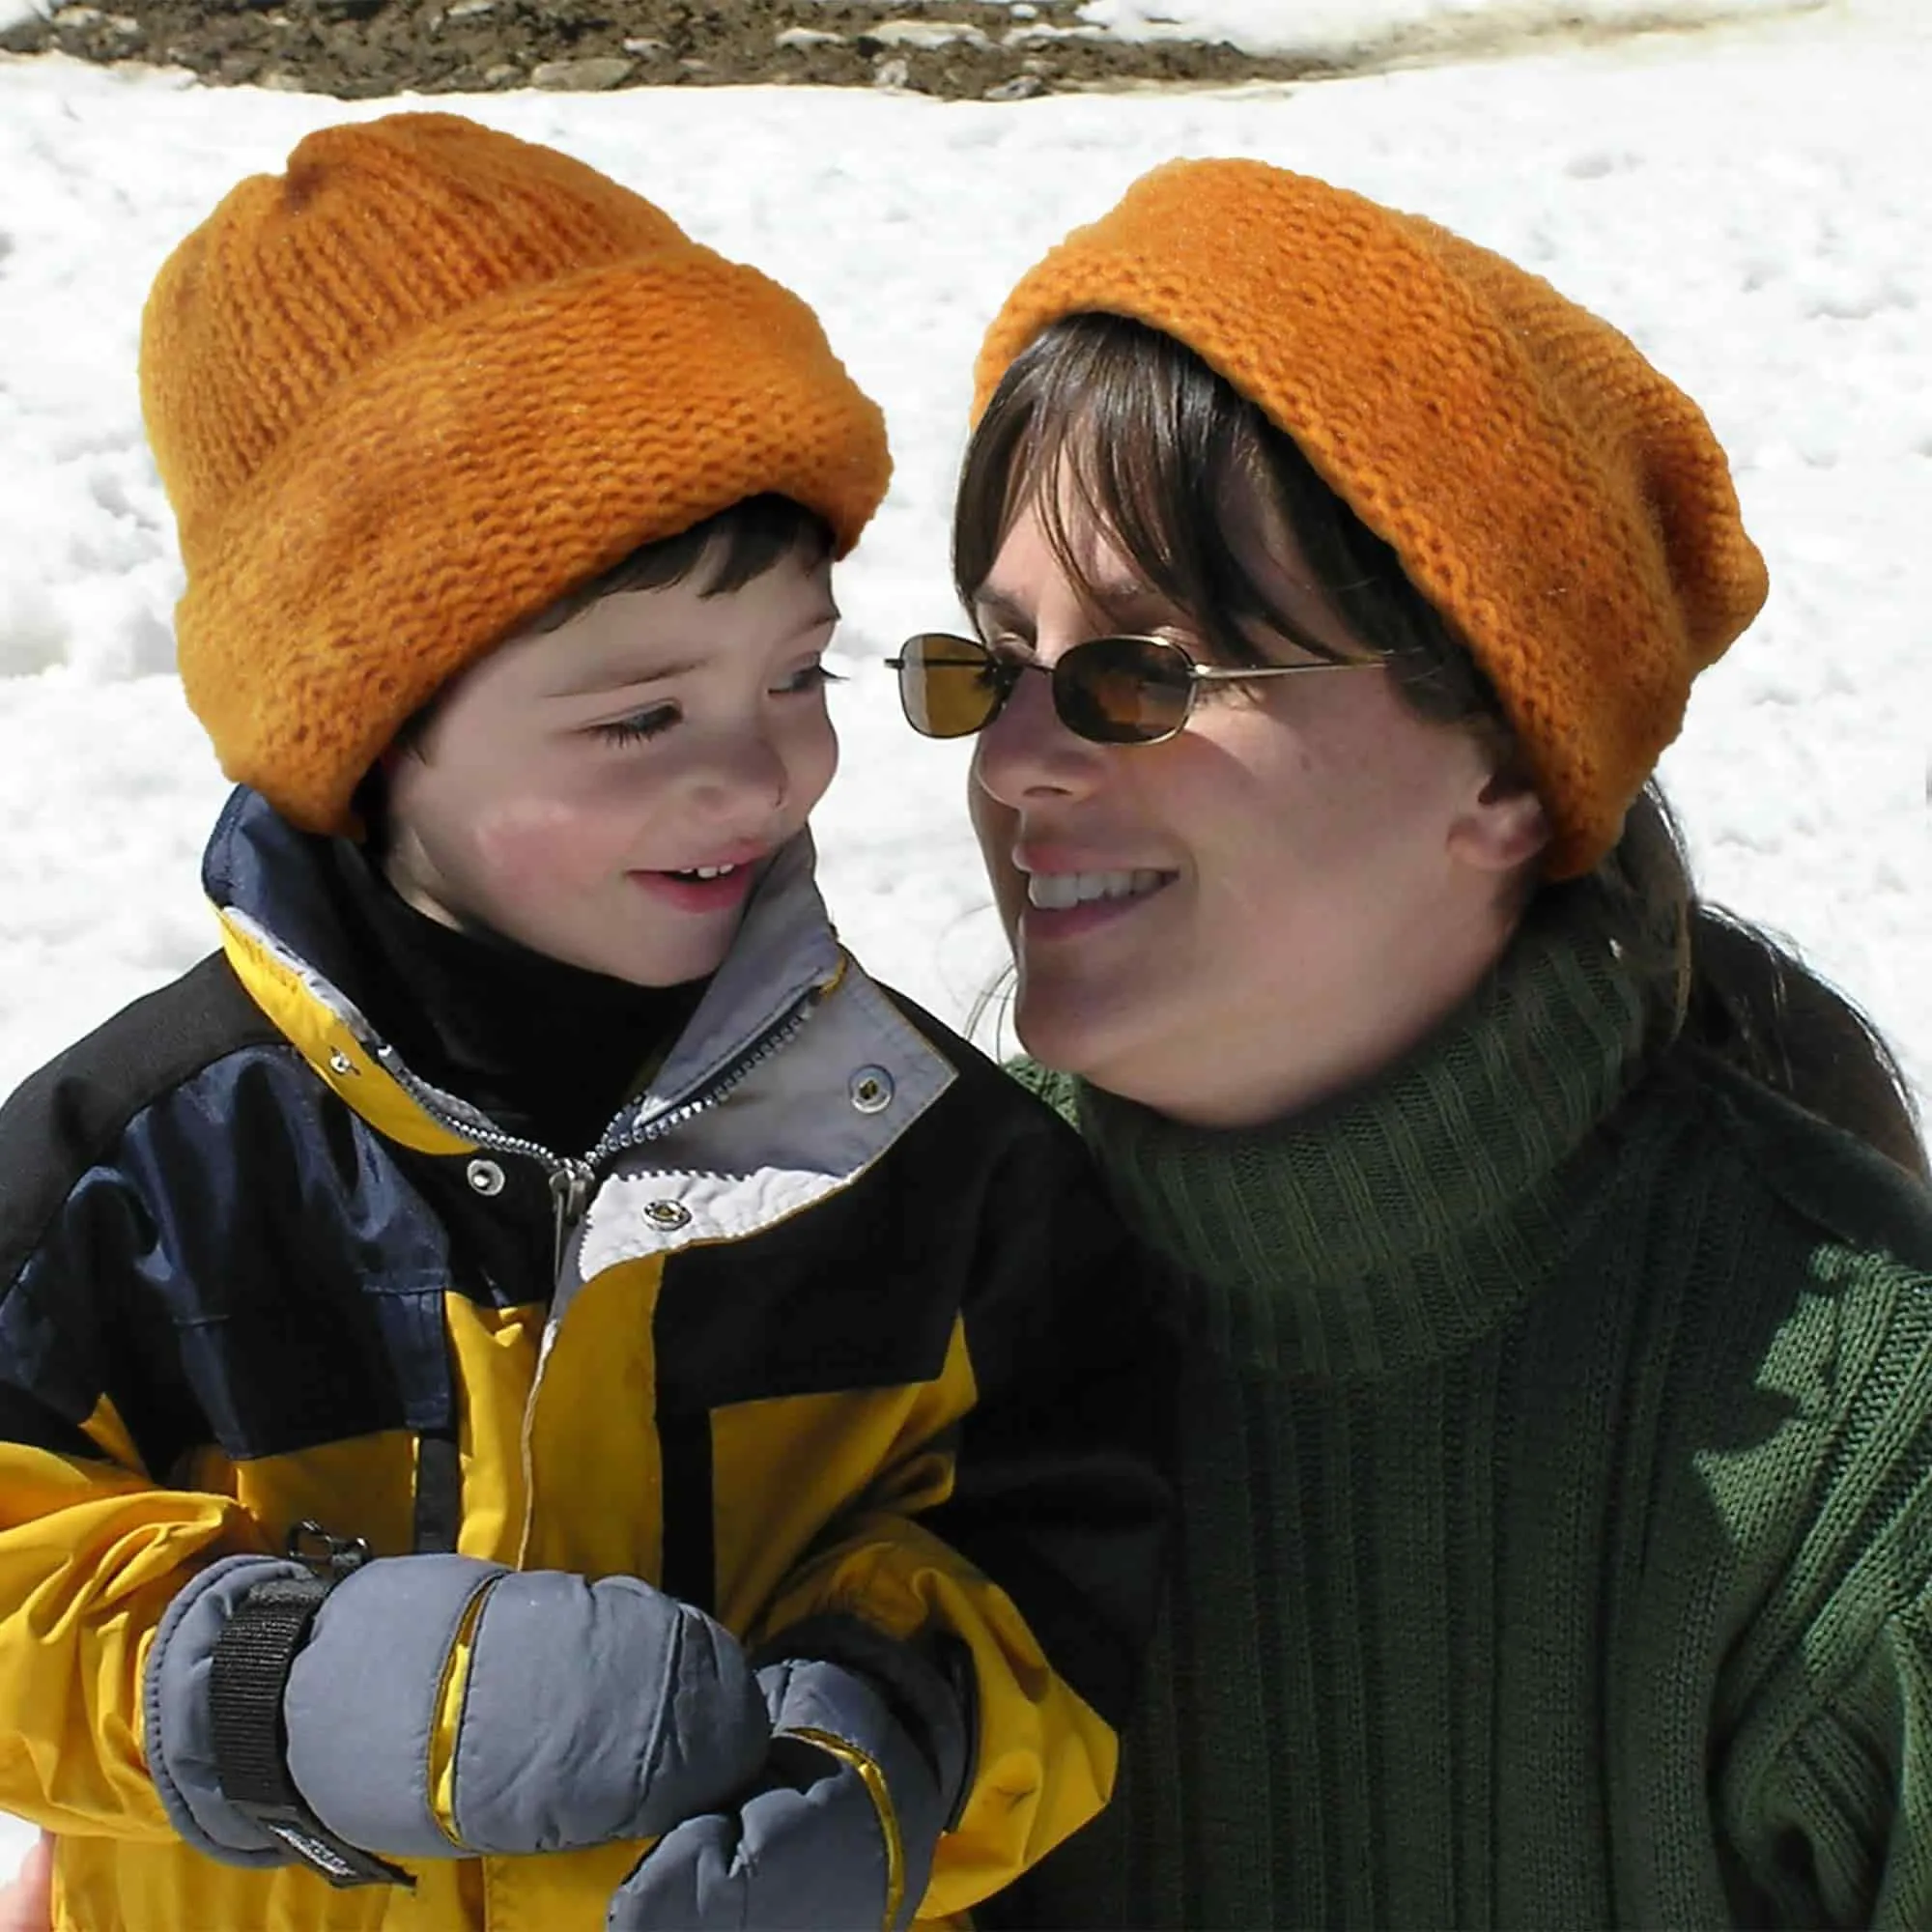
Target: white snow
{"type": "Point", "coordinates": [1340, 29]}
{"type": "Point", "coordinates": [1747, 201]}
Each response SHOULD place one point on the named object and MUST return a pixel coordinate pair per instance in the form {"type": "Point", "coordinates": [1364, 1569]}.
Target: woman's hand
{"type": "Point", "coordinates": [27, 1905]}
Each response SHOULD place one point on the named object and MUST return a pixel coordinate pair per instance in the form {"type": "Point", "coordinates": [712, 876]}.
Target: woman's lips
{"type": "Point", "coordinates": [1063, 921]}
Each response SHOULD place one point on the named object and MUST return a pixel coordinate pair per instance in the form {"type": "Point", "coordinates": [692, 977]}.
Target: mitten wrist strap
{"type": "Point", "coordinates": [248, 1672]}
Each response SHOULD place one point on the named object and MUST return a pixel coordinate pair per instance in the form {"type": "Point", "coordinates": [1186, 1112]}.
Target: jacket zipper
{"type": "Point", "coordinates": [734, 1073]}
{"type": "Point", "coordinates": [573, 1178]}
{"type": "Point", "coordinates": [570, 1186]}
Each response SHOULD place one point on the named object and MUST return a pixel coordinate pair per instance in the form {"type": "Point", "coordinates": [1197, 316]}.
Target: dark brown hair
{"type": "Point", "coordinates": [734, 547]}
{"type": "Point", "coordinates": [1105, 419]}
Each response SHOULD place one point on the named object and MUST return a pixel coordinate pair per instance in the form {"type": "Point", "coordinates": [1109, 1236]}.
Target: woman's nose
{"type": "Point", "coordinates": [1026, 753]}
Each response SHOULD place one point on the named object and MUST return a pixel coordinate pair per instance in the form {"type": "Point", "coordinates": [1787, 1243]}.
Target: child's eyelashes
{"type": "Point", "coordinates": [658, 718]}
{"type": "Point", "coordinates": [639, 727]}
{"type": "Point", "coordinates": [814, 676]}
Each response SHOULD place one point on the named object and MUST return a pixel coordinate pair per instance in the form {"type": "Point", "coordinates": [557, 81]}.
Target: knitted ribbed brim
{"type": "Point", "coordinates": [1564, 506]}
{"type": "Point", "coordinates": [408, 394]}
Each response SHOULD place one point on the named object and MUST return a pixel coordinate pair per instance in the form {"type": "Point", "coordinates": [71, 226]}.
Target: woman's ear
{"type": "Point", "coordinates": [1503, 828]}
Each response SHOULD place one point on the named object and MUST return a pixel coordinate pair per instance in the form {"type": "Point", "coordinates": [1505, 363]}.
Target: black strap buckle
{"type": "Point", "coordinates": [248, 1673]}
{"type": "Point", "coordinates": [333, 1558]}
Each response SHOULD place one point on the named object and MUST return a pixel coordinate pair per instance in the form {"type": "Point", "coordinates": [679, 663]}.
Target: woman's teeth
{"type": "Point", "coordinates": [704, 872]}
{"type": "Point", "coordinates": [1055, 892]}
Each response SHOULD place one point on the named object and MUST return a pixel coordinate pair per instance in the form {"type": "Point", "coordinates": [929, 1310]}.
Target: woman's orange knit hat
{"type": "Point", "coordinates": [1560, 502]}
{"type": "Point", "coordinates": [410, 392]}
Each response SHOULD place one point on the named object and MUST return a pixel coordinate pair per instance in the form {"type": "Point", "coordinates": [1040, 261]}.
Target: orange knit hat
{"type": "Point", "coordinates": [410, 392]}
{"type": "Point", "coordinates": [1560, 503]}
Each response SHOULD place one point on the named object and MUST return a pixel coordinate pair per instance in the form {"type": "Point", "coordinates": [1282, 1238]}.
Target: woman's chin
{"type": "Point", "coordinates": [1072, 1028]}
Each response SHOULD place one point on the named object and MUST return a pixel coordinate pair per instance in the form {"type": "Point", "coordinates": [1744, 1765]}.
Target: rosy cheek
{"type": "Point", "coordinates": [532, 843]}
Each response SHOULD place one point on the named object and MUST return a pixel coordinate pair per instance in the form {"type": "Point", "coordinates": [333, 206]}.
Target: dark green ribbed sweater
{"type": "Point", "coordinates": [1555, 1483]}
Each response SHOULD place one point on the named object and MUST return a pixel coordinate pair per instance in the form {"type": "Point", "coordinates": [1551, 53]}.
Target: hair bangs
{"type": "Point", "coordinates": [1104, 423]}
{"type": "Point", "coordinates": [721, 555]}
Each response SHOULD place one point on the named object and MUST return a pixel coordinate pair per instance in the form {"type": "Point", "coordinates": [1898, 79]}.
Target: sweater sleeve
{"type": "Point", "coordinates": [1037, 1552]}
{"type": "Point", "coordinates": [1839, 1827]}
{"type": "Point", "coordinates": [1825, 1787]}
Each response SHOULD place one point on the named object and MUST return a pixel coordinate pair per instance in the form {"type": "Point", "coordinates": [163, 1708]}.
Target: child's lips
{"type": "Point", "coordinates": [689, 892]}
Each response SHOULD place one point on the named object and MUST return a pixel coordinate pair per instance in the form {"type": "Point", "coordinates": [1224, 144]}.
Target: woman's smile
{"type": "Point", "coordinates": [1062, 907]}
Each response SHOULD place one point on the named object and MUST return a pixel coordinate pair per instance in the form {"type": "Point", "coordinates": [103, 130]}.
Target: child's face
{"type": "Point", "coordinates": [571, 790]}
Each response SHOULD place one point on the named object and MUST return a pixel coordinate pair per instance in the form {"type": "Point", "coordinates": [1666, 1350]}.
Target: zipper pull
{"type": "Point", "coordinates": [570, 1184]}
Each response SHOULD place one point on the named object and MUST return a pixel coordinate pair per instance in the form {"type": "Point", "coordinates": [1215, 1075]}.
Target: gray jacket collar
{"type": "Point", "coordinates": [263, 875]}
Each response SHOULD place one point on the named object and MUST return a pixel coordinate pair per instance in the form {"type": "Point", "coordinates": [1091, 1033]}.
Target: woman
{"type": "Point", "coordinates": [1556, 1477]}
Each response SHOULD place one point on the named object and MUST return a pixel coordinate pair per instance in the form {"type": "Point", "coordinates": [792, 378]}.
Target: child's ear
{"type": "Point", "coordinates": [1503, 828]}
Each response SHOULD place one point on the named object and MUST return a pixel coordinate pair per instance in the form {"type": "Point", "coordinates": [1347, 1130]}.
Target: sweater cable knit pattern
{"type": "Point", "coordinates": [1555, 1478]}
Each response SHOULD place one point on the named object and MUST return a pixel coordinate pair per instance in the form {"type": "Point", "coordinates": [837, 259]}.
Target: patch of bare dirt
{"type": "Point", "coordinates": [355, 48]}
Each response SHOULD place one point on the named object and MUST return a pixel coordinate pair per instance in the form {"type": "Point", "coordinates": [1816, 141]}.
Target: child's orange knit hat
{"type": "Point", "coordinates": [1561, 505]}
{"type": "Point", "coordinates": [406, 394]}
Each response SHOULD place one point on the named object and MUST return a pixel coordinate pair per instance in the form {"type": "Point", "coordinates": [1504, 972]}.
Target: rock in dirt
{"type": "Point", "coordinates": [582, 76]}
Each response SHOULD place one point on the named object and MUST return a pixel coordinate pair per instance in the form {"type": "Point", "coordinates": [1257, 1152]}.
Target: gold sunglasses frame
{"type": "Point", "coordinates": [1009, 668]}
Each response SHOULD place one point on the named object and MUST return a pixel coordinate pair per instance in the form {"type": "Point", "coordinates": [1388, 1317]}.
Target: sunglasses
{"type": "Point", "coordinates": [1111, 690]}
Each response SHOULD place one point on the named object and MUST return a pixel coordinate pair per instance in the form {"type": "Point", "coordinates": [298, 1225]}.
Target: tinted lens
{"type": "Point", "coordinates": [1124, 691]}
{"type": "Point", "coordinates": [947, 685]}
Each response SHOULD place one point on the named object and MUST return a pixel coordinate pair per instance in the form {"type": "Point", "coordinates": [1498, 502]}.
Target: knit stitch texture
{"type": "Point", "coordinates": [1562, 504]}
{"type": "Point", "coordinates": [1555, 1542]}
{"type": "Point", "coordinates": [408, 392]}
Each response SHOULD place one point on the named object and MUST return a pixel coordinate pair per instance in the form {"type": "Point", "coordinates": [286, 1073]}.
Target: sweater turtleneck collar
{"type": "Point", "coordinates": [1391, 1227]}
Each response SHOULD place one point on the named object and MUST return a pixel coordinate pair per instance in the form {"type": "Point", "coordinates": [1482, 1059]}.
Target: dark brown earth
{"type": "Point", "coordinates": [360, 47]}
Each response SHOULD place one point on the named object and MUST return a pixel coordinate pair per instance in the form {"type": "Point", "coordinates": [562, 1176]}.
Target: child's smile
{"type": "Point", "coordinates": [714, 887]}
{"type": "Point", "coordinates": [608, 793]}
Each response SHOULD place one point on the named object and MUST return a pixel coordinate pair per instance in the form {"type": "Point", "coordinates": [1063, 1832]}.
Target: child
{"type": "Point", "coordinates": [530, 1350]}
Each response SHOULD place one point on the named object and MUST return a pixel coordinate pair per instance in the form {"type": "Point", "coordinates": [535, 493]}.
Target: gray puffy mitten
{"type": "Point", "coordinates": [590, 1710]}
{"type": "Point", "coordinates": [839, 1834]}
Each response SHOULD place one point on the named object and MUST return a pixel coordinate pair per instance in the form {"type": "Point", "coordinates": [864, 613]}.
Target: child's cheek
{"type": "Point", "coordinates": [533, 845]}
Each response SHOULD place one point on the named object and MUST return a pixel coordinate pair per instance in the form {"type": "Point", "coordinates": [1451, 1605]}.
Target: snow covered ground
{"type": "Point", "coordinates": [1344, 28]}
{"type": "Point", "coordinates": [1747, 201]}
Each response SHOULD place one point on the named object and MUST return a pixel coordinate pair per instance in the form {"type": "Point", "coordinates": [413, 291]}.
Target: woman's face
{"type": "Point", "coordinates": [1261, 910]}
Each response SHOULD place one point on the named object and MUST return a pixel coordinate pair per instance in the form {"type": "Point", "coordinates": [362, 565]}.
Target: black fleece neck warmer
{"type": "Point", "coordinates": [548, 1051]}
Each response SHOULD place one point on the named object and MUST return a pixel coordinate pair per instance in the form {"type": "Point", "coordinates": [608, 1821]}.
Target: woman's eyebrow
{"type": "Point", "coordinates": [1133, 605]}
{"type": "Point", "coordinates": [997, 607]}
{"type": "Point", "coordinates": [1127, 602]}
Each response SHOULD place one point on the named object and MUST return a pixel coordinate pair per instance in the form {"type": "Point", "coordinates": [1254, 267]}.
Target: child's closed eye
{"type": "Point", "coordinates": [814, 676]}
{"type": "Point", "coordinates": [638, 725]}
{"type": "Point", "coordinates": [656, 719]}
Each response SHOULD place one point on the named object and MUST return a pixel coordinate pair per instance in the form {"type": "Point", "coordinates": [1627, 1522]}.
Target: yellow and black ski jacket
{"type": "Point", "coordinates": [833, 1320]}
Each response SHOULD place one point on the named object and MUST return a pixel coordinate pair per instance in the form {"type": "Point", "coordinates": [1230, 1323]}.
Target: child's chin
{"type": "Point", "coordinates": [664, 970]}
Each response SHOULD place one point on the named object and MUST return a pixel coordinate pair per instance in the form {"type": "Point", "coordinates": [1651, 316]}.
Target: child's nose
{"type": "Point", "coordinates": [741, 775]}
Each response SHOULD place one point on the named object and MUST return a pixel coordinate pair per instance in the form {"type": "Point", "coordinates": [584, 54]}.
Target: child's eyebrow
{"type": "Point", "coordinates": [623, 677]}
